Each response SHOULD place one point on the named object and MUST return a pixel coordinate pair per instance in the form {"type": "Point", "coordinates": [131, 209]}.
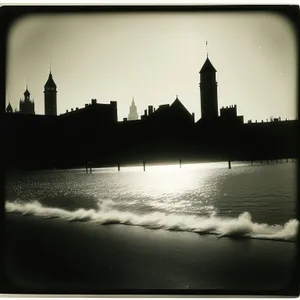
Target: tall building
{"type": "Point", "coordinates": [26, 105]}
{"type": "Point", "coordinates": [208, 91]}
{"type": "Point", "coordinates": [133, 115]}
{"type": "Point", "coordinates": [50, 96]}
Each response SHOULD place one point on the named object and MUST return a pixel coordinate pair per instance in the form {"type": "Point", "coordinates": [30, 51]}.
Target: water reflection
{"type": "Point", "coordinates": [189, 189]}
{"type": "Point", "coordinates": [192, 189]}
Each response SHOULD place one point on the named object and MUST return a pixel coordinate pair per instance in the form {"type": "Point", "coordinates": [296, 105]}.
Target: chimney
{"type": "Point", "coordinates": [67, 111]}
{"type": "Point", "coordinates": [145, 112]}
{"type": "Point", "coordinates": [125, 119]}
{"type": "Point", "coordinates": [86, 105]}
{"type": "Point", "coordinates": [150, 110]}
{"type": "Point", "coordinates": [94, 101]}
{"type": "Point", "coordinates": [72, 109]}
{"type": "Point", "coordinates": [76, 108]}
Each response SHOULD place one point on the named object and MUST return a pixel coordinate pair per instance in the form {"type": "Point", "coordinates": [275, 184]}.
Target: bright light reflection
{"type": "Point", "coordinates": [171, 180]}
{"type": "Point", "coordinates": [191, 188]}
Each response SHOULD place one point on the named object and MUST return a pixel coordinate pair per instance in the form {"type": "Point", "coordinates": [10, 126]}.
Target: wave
{"type": "Point", "coordinates": [243, 226]}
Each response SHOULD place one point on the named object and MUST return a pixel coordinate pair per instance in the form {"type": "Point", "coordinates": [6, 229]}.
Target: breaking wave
{"type": "Point", "coordinates": [243, 226]}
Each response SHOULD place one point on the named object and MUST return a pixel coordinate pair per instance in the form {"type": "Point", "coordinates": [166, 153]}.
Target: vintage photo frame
{"type": "Point", "coordinates": [169, 139]}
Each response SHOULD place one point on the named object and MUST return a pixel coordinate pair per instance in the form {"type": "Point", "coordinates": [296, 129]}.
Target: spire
{"type": "Point", "coordinates": [26, 93]}
{"type": "Point", "coordinates": [133, 115]}
{"type": "Point", "coordinates": [50, 82]}
{"type": "Point", "coordinates": [207, 67]}
{"type": "Point", "coordinates": [50, 67]}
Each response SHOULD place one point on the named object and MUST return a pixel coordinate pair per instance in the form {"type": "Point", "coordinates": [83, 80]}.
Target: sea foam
{"type": "Point", "coordinates": [242, 226]}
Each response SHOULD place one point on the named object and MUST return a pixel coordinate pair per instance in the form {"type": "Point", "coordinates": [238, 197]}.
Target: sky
{"type": "Point", "coordinates": [153, 57]}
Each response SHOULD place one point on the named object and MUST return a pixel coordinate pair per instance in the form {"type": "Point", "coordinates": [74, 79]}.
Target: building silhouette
{"type": "Point", "coordinates": [26, 105]}
{"type": "Point", "coordinates": [168, 132]}
{"type": "Point", "coordinates": [208, 91]}
{"type": "Point", "coordinates": [50, 94]}
{"type": "Point", "coordinates": [133, 115]}
{"type": "Point", "coordinates": [93, 113]}
{"type": "Point", "coordinates": [209, 101]}
{"type": "Point", "coordinates": [229, 114]}
{"type": "Point", "coordinates": [169, 115]}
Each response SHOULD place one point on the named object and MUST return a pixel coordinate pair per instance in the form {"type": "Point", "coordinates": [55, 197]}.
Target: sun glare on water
{"type": "Point", "coordinates": [158, 180]}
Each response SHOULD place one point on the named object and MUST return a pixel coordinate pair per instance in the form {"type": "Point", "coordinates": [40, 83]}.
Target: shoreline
{"type": "Point", "coordinates": [199, 233]}
{"type": "Point", "coordinates": [159, 163]}
{"type": "Point", "coordinates": [57, 255]}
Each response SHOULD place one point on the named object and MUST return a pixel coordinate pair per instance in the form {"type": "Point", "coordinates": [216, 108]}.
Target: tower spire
{"type": "Point", "coordinates": [50, 66]}
{"type": "Point", "coordinates": [133, 115]}
{"type": "Point", "coordinates": [206, 50]}
{"type": "Point", "coordinates": [50, 93]}
{"type": "Point", "coordinates": [26, 84]}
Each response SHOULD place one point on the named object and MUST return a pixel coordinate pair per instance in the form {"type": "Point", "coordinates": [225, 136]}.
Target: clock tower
{"type": "Point", "coordinates": [208, 91]}
{"type": "Point", "coordinates": [50, 96]}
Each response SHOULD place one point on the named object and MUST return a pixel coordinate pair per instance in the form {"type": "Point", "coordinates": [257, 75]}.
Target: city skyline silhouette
{"type": "Point", "coordinates": [159, 129]}
{"type": "Point", "coordinates": [168, 132]}
{"type": "Point", "coordinates": [156, 75]}
{"type": "Point", "coordinates": [207, 98]}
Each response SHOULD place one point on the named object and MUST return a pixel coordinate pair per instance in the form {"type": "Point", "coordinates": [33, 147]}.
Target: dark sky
{"type": "Point", "coordinates": [154, 57]}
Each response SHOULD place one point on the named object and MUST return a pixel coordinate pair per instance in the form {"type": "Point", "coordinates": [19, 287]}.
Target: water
{"type": "Point", "coordinates": [256, 201]}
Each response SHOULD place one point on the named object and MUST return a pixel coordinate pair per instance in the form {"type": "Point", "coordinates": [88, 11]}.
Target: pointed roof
{"type": "Point", "coordinates": [26, 93]}
{"type": "Point", "coordinates": [178, 103]}
{"type": "Point", "coordinates": [132, 102]}
{"type": "Point", "coordinates": [50, 82]}
{"type": "Point", "coordinates": [9, 108]}
{"type": "Point", "coordinates": [207, 67]}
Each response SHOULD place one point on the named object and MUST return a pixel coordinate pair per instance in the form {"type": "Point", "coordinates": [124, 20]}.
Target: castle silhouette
{"type": "Point", "coordinates": [93, 133]}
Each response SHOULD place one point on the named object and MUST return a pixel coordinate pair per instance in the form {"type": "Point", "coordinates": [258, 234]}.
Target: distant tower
{"type": "Point", "coordinates": [133, 115]}
{"type": "Point", "coordinates": [208, 91]}
{"type": "Point", "coordinates": [9, 109]}
{"type": "Point", "coordinates": [50, 96]}
{"type": "Point", "coordinates": [26, 106]}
